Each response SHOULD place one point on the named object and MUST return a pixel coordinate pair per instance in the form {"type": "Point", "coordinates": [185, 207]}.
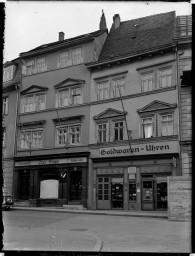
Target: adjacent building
{"type": "Point", "coordinates": [134, 116]}
{"type": "Point", "coordinates": [10, 90]}
{"type": "Point", "coordinates": [51, 161]}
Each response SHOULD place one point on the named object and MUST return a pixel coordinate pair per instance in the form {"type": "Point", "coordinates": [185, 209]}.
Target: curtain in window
{"type": "Point", "coordinates": [147, 128]}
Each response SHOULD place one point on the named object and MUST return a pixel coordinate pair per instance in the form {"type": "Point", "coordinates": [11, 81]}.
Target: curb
{"type": "Point", "coordinates": [125, 214]}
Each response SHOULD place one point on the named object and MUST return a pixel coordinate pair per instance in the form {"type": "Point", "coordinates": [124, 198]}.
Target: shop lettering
{"type": "Point", "coordinates": [148, 148]}
{"type": "Point", "coordinates": [49, 161]}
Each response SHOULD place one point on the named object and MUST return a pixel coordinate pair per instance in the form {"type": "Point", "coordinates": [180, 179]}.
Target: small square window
{"type": "Point", "coordinates": [105, 179]}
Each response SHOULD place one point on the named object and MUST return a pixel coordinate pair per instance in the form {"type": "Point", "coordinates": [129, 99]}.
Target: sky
{"type": "Point", "coordinates": [31, 24]}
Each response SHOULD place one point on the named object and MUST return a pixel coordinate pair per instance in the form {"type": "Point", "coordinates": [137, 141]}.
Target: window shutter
{"type": "Point", "coordinates": [110, 128]}
{"type": "Point", "coordinates": [96, 131]}
{"type": "Point", "coordinates": [140, 129]}
{"type": "Point", "coordinates": [56, 103]}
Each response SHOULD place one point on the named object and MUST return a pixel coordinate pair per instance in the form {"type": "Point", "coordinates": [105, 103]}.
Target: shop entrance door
{"type": "Point", "coordinates": [103, 193]}
{"type": "Point", "coordinates": [24, 185]}
{"type": "Point", "coordinates": [117, 193]}
{"type": "Point", "coordinates": [75, 186]}
{"type": "Point", "coordinates": [147, 194]}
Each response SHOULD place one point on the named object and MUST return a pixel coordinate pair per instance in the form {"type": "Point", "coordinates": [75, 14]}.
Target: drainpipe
{"type": "Point", "coordinates": [179, 106]}
{"type": "Point", "coordinates": [17, 87]}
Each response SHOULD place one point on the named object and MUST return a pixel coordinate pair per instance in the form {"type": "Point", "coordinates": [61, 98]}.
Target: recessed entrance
{"type": "Point", "coordinates": [117, 193]}
{"type": "Point", "coordinates": [75, 187]}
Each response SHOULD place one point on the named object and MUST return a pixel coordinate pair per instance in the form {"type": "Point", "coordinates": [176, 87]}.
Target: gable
{"type": "Point", "coordinates": [109, 113]}
{"type": "Point", "coordinates": [34, 89]}
{"type": "Point", "coordinates": [69, 82]}
{"type": "Point", "coordinates": [155, 106]}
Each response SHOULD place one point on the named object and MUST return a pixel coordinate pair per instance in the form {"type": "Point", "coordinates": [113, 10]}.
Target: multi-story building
{"type": "Point", "coordinates": [11, 84]}
{"type": "Point", "coordinates": [134, 115]}
{"type": "Point", "coordinates": [51, 162]}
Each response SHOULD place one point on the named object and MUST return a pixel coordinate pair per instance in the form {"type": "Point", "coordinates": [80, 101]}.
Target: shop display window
{"type": "Point", "coordinates": [132, 192]}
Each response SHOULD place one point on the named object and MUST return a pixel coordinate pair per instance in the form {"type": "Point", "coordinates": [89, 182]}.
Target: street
{"type": "Point", "coordinates": [58, 231]}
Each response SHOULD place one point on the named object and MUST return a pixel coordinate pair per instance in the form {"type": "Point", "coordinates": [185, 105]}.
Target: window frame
{"type": "Point", "coordinates": [30, 131]}
{"type": "Point", "coordinates": [167, 121]}
{"type": "Point", "coordinates": [152, 125]}
{"type": "Point", "coordinates": [118, 129]}
{"type": "Point", "coordinates": [114, 88]}
{"type": "Point", "coordinates": [5, 105]}
{"type": "Point", "coordinates": [71, 59]}
{"type": "Point", "coordinates": [103, 89]}
{"type": "Point", "coordinates": [34, 96]}
{"type": "Point", "coordinates": [142, 74]}
{"type": "Point", "coordinates": [70, 97]}
{"type": "Point", "coordinates": [8, 73]}
{"type": "Point", "coordinates": [102, 131]}
{"type": "Point", "coordinates": [160, 70]}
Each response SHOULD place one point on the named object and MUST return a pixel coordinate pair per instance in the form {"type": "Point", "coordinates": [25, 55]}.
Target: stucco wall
{"type": "Point", "coordinates": [179, 198]}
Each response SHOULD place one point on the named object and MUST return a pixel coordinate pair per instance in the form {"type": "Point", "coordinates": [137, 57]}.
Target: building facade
{"type": "Point", "coordinates": [11, 84]}
{"type": "Point", "coordinates": [51, 162]}
{"type": "Point", "coordinates": [134, 115]}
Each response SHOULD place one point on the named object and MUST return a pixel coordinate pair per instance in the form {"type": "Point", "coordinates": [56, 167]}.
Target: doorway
{"type": "Point", "coordinates": [24, 185]}
{"type": "Point", "coordinates": [148, 194]}
{"type": "Point", "coordinates": [75, 187]}
{"type": "Point", "coordinates": [117, 193]}
{"type": "Point", "coordinates": [161, 193]}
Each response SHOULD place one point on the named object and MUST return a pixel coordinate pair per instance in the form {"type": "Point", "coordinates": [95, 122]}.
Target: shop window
{"type": "Point", "coordinates": [49, 189]}
{"type": "Point", "coordinates": [147, 127]}
{"type": "Point", "coordinates": [132, 191]}
{"type": "Point", "coordinates": [167, 125]}
{"type": "Point", "coordinates": [69, 134]}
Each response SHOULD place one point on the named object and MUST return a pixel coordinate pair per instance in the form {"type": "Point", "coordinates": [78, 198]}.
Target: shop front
{"type": "Point", "coordinates": [51, 182]}
{"type": "Point", "coordinates": [136, 181]}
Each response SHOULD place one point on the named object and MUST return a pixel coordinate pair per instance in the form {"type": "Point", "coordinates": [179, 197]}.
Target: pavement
{"type": "Point", "coordinates": [150, 214]}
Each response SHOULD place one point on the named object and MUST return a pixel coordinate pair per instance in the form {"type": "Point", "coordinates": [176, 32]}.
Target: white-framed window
{"type": "Point", "coordinates": [147, 127]}
{"type": "Point", "coordinates": [70, 57]}
{"type": "Point", "coordinates": [30, 65]}
{"type": "Point", "coordinates": [3, 137]}
{"type": "Point", "coordinates": [102, 132]}
{"type": "Point", "coordinates": [119, 130]}
{"type": "Point", "coordinates": [165, 77]}
{"type": "Point", "coordinates": [31, 139]}
{"type": "Point", "coordinates": [34, 102]}
{"type": "Point", "coordinates": [69, 96]}
{"type": "Point", "coordinates": [102, 90]}
{"type": "Point", "coordinates": [68, 134]}
{"type": "Point", "coordinates": [147, 82]}
{"type": "Point", "coordinates": [118, 84]}
{"type": "Point", "coordinates": [41, 64]}
{"type": "Point", "coordinates": [5, 105]}
{"type": "Point", "coordinates": [8, 73]}
{"type": "Point", "coordinates": [167, 124]}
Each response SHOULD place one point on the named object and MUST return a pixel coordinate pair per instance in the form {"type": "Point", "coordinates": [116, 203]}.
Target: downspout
{"type": "Point", "coordinates": [17, 87]}
{"type": "Point", "coordinates": [179, 106]}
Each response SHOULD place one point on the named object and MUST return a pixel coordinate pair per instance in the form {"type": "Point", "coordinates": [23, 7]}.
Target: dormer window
{"type": "Point", "coordinates": [70, 57]}
{"type": "Point", "coordinates": [8, 73]}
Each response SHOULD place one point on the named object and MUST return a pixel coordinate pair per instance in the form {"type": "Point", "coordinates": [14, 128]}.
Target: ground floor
{"type": "Point", "coordinates": [51, 182]}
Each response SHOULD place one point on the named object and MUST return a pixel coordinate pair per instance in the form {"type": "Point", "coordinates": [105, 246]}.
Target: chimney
{"type": "Point", "coordinates": [61, 36]}
{"type": "Point", "coordinates": [103, 24]}
{"type": "Point", "coordinates": [116, 21]}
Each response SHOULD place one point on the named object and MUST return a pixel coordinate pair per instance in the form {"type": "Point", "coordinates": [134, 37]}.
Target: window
{"type": "Point", "coordinates": [35, 102]}
{"type": "Point", "coordinates": [31, 139]}
{"type": "Point", "coordinates": [118, 130]}
{"type": "Point", "coordinates": [8, 73]}
{"type": "Point", "coordinates": [41, 64]}
{"type": "Point", "coordinates": [70, 57]}
{"type": "Point", "coordinates": [147, 82]}
{"type": "Point", "coordinates": [147, 125]}
{"type": "Point", "coordinates": [167, 125]}
{"type": "Point", "coordinates": [34, 66]}
{"type": "Point", "coordinates": [165, 77]}
{"type": "Point", "coordinates": [5, 105]}
{"type": "Point", "coordinates": [68, 134]}
{"type": "Point", "coordinates": [102, 91]}
{"type": "Point", "coordinates": [69, 96]}
{"type": "Point", "coordinates": [102, 133]}
{"type": "Point", "coordinates": [184, 25]}
{"type": "Point", "coordinates": [117, 85]}
{"type": "Point", "coordinates": [4, 136]}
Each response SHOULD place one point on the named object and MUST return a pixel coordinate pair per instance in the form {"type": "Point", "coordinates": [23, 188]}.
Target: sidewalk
{"type": "Point", "coordinates": [150, 214]}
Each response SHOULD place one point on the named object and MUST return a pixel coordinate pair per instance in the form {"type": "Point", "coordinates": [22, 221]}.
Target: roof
{"type": "Point", "coordinates": [139, 35]}
{"type": "Point", "coordinates": [66, 43]}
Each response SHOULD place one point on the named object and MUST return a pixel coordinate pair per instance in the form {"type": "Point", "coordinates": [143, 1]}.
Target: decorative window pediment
{"type": "Point", "coordinates": [34, 89]}
{"type": "Point", "coordinates": [69, 82]}
{"type": "Point", "coordinates": [110, 113]}
{"type": "Point", "coordinates": [156, 106]}
{"type": "Point", "coordinates": [32, 124]}
{"type": "Point", "coordinates": [69, 119]}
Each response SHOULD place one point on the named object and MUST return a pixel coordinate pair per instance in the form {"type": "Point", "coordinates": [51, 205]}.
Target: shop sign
{"type": "Point", "coordinates": [131, 176]}
{"type": "Point", "coordinates": [110, 171]}
{"type": "Point", "coordinates": [141, 149]}
{"type": "Point", "coordinates": [154, 169]}
{"type": "Point", "coordinates": [131, 169]}
{"type": "Point", "coordinates": [53, 161]}
{"type": "Point", "coordinates": [117, 180]}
